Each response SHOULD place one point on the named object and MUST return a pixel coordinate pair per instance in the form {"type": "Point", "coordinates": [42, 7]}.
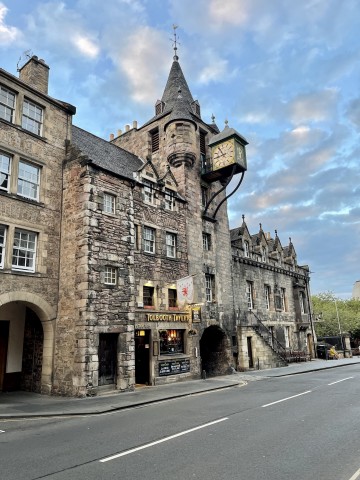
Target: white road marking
{"type": "Point", "coordinates": [287, 398]}
{"type": "Point", "coordinates": [147, 445]}
{"type": "Point", "coordinates": [338, 381]}
{"type": "Point", "coordinates": [356, 475]}
{"type": "Point", "coordinates": [2, 431]}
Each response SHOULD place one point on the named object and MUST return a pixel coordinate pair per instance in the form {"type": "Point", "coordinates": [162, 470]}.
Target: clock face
{"type": "Point", "coordinates": [223, 154]}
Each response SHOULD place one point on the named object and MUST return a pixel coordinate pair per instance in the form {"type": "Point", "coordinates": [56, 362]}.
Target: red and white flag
{"type": "Point", "coordinates": [185, 290]}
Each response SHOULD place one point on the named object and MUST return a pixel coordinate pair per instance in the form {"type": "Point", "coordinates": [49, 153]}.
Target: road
{"type": "Point", "coordinates": [302, 427]}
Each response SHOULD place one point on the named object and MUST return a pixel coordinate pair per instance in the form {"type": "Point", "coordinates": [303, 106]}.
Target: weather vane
{"type": "Point", "coordinates": [175, 42]}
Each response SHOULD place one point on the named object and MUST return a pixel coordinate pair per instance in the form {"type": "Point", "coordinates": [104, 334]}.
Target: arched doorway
{"type": "Point", "coordinates": [215, 351]}
{"type": "Point", "coordinates": [27, 343]}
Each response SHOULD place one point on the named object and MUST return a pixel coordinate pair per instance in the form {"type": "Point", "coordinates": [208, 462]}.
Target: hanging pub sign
{"type": "Point", "coordinates": [196, 314]}
{"type": "Point", "coordinates": [174, 367]}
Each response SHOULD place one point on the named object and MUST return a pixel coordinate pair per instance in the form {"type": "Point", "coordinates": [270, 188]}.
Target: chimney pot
{"type": "Point", "coordinates": [135, 124]}
{"type": "Point", "coordinates": [111, 136]}
{"type": "Point", "coordinates": [119, 132]}
{"type": "Point", "coordinates": [127, 128]}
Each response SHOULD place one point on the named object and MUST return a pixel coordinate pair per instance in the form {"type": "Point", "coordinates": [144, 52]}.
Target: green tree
{"type": "Point", "coordinates": [324, 306]}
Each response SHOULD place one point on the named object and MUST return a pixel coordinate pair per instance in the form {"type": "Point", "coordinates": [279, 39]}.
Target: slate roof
{"type": "Point", "coordinates": [226, 133]}
{"type": "Point", "coordinates": [105, 154]}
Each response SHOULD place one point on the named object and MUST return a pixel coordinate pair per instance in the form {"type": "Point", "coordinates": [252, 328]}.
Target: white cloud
{"type": "Point", "coordinates": [213, 72]}
{"type": "Point", "coordinates": [140, 61]}
{"type": "Point", "coordinates": [313, 107]}
{"type": "Point", "coordinates": [8, 34]}
{"type": "Point", "coordinates": [227, 12]}
{"type": "Point", "coordinates": [86, 46]}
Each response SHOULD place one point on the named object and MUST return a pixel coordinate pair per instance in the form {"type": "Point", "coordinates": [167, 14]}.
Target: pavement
{"type": "Point", "coordinates": [17, 405]}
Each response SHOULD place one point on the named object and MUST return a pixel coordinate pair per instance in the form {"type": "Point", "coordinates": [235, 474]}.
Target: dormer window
{"type": "Point", "coordinates": [246, 249]}
{"type": "Point", "coordinates": [159, 107]}
{"type": "Point", "coordinates": [148, 191]}
{"type": "Point", "coordinates": [263, 254]}
{"type": "Point", "coordinates": [196, 107]}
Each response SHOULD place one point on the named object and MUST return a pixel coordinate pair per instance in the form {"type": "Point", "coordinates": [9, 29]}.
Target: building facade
{"type": "Point", "coordinates": [95, 236]}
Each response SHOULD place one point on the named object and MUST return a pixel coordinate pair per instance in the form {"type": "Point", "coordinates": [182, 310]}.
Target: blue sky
{"type": "Point", "coordinates": [285, 74]}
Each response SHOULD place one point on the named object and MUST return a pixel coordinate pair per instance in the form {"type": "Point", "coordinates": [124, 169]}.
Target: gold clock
{"type": "Point", "coordinates": [223, 154]}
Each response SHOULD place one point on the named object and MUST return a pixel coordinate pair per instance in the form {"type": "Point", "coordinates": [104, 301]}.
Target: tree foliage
{"type": "Point", "coordinates": [348, 314]}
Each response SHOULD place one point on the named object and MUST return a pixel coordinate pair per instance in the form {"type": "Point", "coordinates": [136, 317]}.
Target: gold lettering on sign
{"type": "Point", "coordinates": [167, 317]}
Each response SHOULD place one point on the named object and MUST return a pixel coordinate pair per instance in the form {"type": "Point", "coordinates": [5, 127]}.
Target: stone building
{"type": "Point", "coordinates": [274, 324]}
{"type": "Point", "coordinates": [34, 129]}
{"type": "Point", "coordinates": [96, 234]}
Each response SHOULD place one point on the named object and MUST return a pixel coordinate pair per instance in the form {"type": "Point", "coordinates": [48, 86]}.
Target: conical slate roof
{"type": "Point", "coordinates": [176, 82]}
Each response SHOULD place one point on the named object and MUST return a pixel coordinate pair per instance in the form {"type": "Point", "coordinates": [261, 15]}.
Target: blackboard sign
{"type": "Point", "coordinates": [174, 367]}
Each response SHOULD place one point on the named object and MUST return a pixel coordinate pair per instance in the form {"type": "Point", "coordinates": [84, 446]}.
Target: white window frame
{"type": "Point", "coordinates": [149, 239]}
{"type": "Point", "coordinates": [7, 104]}
{"type": "Point", "coordinates": [302, 303]}
{"type": "Point", "coordinates": [27, 181]}
{"type": "Point", "coordinates": [206, 241]}
{"type": "Point", "coordinates": [2, 244]}
{"type": "Point", "coordinates": [5, 175]}
{"type": "Point", "coordinates": [246, 249]}
{"type": "Point", "coordinates": [170, 245]}
{"type": "Point", "coordinates": [148, 191]}
{"type": "Point", "coordinates": [169, 199]}
{"type": "Point", "coordinates": [110, 275]}
{"type": "Point", "coordinates": [267, 296]}
{"type": "Point", "coordinates": [27, 245]}
{"type": "Point", "coordinates": [32, 117]}
{"type": "Point", "coordinates": [209, 287]}
{"type": "Point", "coordinates": [109, 203]}
{"type": "Point", "coordinates": [250, 295]}
{"type": "Point", "coordinates": [283, 299]}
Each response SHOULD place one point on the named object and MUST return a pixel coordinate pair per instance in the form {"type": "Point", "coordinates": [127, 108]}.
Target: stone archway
{"type": "Point", "coordinates": [38, 318]}
{"type": "Point", "coordinates": [215, 351]}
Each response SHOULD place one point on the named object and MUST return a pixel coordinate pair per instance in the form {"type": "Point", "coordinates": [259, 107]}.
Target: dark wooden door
{"type": "Point", "coordinates": [107, 358]}
{"type": "Point", "coordinates": [250, 352]}
{"type": "Point", "coordinates": [142, 357]}
{"type": "Point", "coordinates": [4, 337]}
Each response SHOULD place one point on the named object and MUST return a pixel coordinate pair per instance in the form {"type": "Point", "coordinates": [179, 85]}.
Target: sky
{"type": "Point", "coordinates": [285, 74]}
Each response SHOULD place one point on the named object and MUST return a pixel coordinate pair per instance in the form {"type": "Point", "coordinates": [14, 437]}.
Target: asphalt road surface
{"type": "Point", "coordinates": [301, 427]}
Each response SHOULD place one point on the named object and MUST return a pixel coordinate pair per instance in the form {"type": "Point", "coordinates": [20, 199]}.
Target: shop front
{"type": "Point", "coordinates": [166, 348]}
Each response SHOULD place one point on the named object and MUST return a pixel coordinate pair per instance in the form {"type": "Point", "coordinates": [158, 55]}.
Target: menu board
{"type": "Point", "coordinates": [174, 367]}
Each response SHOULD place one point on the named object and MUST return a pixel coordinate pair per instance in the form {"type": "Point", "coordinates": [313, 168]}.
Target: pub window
{"type": "Point", "coordinates": [148, 296]}
{"type": "Point", "coordinates": [149, 240]}
{"type": "Point", "coordinates": [170, 245]}
{"type": "Point", "coordinates": [171, 342]}
{"type": "Point", "coordinates": [172, 298]}
{"type": "Point", "coordinates": [155, 140]}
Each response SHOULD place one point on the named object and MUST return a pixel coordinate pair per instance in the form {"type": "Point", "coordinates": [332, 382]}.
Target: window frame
{"type": "Point", "coordinates": [27, 181]}
{"type": "Point", "coordinates": [246, 249]}
{"type": "Point", "coordinates": [109, 203]}
{"type": "Point", "coordinates": [263, 255]}
{"type": "Point", "coordinates": [302, 303]}
{"type": "Point", "coordinates": [172, 341]}
{"type": "Point", "coordinates": [5, 104]}
{"type": "Point", "coordinates": [110, 275]}
{"type": "Point", "coordinates": [206, 237]}
{"type": "Point", "coordinates": [148, 191]}
{"type": "Point", "coordinates": [250, 295]}
{"type": "Point", "coordinates": [170, 241]}
{"type": "Point", "coordinates": [155, 140]}
{"type": "Point", "coordinates": [204, 196]}
{"type": "Point", "coordinates": [151, 295]}
{"type": "Point", "coordinates": [7, 174]}
{"type": "Point", "coordinates": [267, 291]}
{"type": "Point", "coordinates": [149, 239]}
{"type": "Point", "coordinates": [31, 251]}
{"type": "Point", "coordinates": [209, 287]}
{"type": "Point", "coordinates": [30, 122]}
{"type": "Point", "coordinates": [169, 199]}
{"type": "Point", "coordinates": [283, 299]}
{"type": "Point", "coordinates": [172, 299]}
{"type": "Point", "coordinates": [3, 229]}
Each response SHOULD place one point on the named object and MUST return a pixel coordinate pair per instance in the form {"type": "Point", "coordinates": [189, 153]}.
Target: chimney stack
{"type": "Point", "coordinates": [135, 124]}
{"type": "Point", "coordinates": [35, 73]}
{"type": "Point", "coordinates": [111, 137]}
{"type": "Point", "coordinates": [127, 128]}
{"type": "Point", "coordinates": [119, 132]}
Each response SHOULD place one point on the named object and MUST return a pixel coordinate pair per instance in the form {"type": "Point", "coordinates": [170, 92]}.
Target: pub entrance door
{"type": "Point", "coordinates": [107, 358]}
{"type": "Point", "coordinates": [142, 356]}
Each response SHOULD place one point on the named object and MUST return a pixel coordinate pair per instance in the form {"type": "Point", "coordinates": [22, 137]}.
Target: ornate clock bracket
{"type": "Point", "coordinates": [228, 180]}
